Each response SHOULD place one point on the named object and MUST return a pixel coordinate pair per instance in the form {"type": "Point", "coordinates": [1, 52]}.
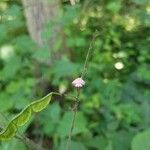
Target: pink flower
{"type": "Point", "coordinates": [78, 83]}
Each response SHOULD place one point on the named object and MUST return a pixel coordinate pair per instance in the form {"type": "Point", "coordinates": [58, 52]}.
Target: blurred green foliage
{"type": "Point", "coordinates": [114, 111]}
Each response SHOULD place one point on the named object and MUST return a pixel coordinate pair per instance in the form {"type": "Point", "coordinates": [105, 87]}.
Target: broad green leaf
{"type": "Point", "coordinates": [74, 145]}
{"type": "Point", "coordinates": [58, 71]}
{"type": "Point", "coordinates": [121, 140]}
{"type": "Point", "coordinates": [65, 124]}
{"type": "Point", "coordinates": [24, 117]}
{"type": "Point", "coordinates": [8, 72]}
{"type": "Point", "coordinates": [109, 147]}
{"type": "Point", "coordinates": [77, 145]}
{"type": "Point", "coordinates": [42, 53]}
{"type": "Point", "coordinates": [48, 114]}
{"type": "Point", "coordinates": [141, 141]}
{"type": "Point", "coordinates": [114, 6]}
{"type": "Point", "coordinates": [5, 102]}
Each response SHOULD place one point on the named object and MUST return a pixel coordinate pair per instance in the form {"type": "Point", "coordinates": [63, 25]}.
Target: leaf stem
{"type": "Point", "coordinates": [65, 95]}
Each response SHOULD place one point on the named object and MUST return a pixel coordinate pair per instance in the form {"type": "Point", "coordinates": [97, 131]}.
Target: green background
{"type": "Point", "coordinates": [114, 112]}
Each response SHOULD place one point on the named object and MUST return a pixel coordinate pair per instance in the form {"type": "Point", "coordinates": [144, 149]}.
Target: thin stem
{"type": "Point", "coordinates": [74, 109]}
{"type": "Point", "coordinates": [65, 95]}
{"type": "Point", "coordinates": [71, 130]}
{"type": "Point", "coordinates": [56, 93]}
{"type": "Point", "coordinates": [88, 55]}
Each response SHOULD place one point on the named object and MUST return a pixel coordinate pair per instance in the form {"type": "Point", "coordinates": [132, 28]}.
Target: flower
{"type": "Point", "coordinates": [78, 83]}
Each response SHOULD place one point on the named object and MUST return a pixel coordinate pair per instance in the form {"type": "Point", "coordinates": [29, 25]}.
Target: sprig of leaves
{"type": "Point", "coordinates": [24, 116]}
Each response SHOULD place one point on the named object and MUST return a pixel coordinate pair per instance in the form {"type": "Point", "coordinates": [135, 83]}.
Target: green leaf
{"type": "Point", "coordinates": [42, 54]}
{"type": "Point", "coordinates": [96, 142]}
{"type": "Point", "coordinates": [74, 145]}
{"type": "Point", "coordinates": [48, 114]}
{"type": "Point", "coordinates": [24, 117]}
{"type": "Point", "coordinates": [8, 72]}
{"type": "Point", "coordinates": [5, 102]}
{"type": "Point", "coordinates": [114, 6]}
{"type": "Point", "coordinates": [121, 140]}
{"type": "Point", "coordinates": [59, 72]}
{"type": "Point", "coordinates": [65, 124]}
{"type": "Point", "coordinates": [141, 141]}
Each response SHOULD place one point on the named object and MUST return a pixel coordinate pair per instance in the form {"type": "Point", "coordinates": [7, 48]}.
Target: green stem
{"type": "Point", "coordinates": [74, 109]}
{"type": "Point", "coordinates": [88, 55]}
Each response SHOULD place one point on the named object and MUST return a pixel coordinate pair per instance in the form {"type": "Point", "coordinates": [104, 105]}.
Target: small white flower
{"type": "Point", "coordinates": [78, 83]}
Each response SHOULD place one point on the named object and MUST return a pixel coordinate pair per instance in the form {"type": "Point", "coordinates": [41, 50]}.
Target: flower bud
{"type": "Point", "coordinates": [78, 83]}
